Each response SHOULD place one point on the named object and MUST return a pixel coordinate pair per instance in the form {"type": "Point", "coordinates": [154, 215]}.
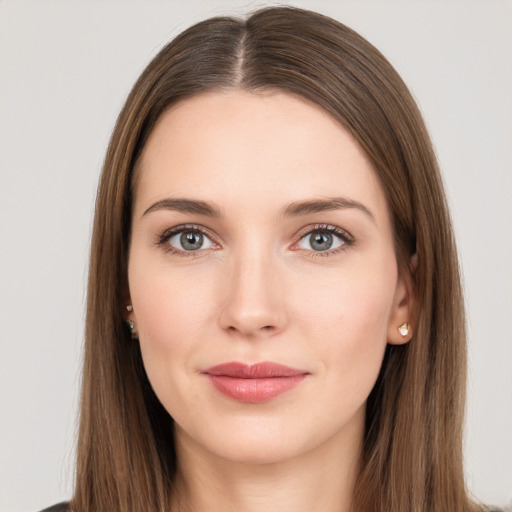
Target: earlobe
{"type": "Point", "coordinates": [400, 329]}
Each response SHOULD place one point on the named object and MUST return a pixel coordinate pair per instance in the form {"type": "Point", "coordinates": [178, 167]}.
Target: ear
{"type": "Point", "coordinates": [401, 321]}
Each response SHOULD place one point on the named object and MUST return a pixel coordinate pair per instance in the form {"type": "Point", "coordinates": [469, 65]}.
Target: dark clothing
{"type": "Point", "coordinates": [60, 507]}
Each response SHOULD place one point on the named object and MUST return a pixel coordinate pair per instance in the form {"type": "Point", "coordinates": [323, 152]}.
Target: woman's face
{"type": "Point", "coordinates": [261, 234]}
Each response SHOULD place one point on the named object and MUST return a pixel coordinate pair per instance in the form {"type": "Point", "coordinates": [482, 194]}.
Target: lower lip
{"type": "Point", "coordinates": [254, 391]}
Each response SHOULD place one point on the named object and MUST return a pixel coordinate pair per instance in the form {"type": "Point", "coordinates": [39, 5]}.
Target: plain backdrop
{"type": "Point", "coordinates": [65, 70]}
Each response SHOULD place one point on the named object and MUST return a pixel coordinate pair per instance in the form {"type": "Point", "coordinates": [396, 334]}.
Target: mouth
{"type": "Point", "coordinates": [255, 383]}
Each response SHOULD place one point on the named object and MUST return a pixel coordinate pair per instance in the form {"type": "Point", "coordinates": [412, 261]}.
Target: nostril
{"type": "Point", "coordinates": [252, 331]}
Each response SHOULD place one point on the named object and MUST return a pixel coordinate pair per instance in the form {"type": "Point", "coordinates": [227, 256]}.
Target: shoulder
{"type": "Point", "coordinates": [60, 507]}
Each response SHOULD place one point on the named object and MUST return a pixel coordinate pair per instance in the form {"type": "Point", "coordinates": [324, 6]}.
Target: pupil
{"type": "Point", "coordinates": [191, 241]}
{"type": "Point", "coordinates": [321, 241]}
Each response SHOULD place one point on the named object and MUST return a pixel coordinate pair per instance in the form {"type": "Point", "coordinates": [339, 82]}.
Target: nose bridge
{"type": "Point", "coordinates": [252, 292]}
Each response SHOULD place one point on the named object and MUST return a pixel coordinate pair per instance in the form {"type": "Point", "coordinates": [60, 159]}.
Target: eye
{"type": "Point", "coordinates": [324, 239]}
{"type": "Point", "coordinates": [186, 240]}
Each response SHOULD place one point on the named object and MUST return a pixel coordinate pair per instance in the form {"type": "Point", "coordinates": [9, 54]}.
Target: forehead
{"type": "Point", "coordinates": [267, 148]}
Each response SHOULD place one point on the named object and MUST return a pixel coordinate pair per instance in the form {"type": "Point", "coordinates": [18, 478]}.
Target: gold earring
{"type": "Point", "coordinates": [404, 329]}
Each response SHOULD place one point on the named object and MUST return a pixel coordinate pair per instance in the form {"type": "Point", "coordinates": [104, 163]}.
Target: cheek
{"type": "Point", "coordinates": [171, 309]}
{"type": "Point", "coordinates": [169, 300]}
{"type": "Point", "coordinates": [356, 303]}
{"type": "Point", "coordinates": [347, 320]}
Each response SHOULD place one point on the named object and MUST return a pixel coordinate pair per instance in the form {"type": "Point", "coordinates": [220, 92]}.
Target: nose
{"type": "Point", "coordinates": [253, 304]}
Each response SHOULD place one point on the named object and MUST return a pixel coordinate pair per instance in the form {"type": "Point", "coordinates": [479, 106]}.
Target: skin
{"type": "Point", "coordinates": [259, 292]}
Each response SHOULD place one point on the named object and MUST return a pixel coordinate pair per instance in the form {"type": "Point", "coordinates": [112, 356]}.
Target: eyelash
{"type": "Point", "coordinates": [163, 239]}
{"type": "Point", "coordinates": [344, 236]}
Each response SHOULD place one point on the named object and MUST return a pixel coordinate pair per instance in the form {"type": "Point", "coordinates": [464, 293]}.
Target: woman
{"type": "Point", "coordinates": [271, 226]}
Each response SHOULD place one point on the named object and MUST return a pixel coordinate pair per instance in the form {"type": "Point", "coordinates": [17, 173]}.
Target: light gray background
{"type": "Point", "coordinates": [65, 69]}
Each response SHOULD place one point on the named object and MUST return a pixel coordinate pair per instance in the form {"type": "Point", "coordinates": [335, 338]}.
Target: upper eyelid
{"type": "Point", "coordinates": [187, 227]}
{"type": "Point", "coordinates": [331, 228]}
{"type": "Point", "coordinates": [301, 232]}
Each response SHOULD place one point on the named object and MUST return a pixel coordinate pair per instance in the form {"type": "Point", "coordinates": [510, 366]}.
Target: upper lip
{"type": "Point", "coordinates": [261, 370]}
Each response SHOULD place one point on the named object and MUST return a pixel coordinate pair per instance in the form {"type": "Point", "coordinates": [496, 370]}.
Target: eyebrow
{"type": "Point", "coordinates": [185, 206]}
{"type": "Point", "coordinates": [295, 209]}
{"type": "Point", "coordinates": [323, 205]}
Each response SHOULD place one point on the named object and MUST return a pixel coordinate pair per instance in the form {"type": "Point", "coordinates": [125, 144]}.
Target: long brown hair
{"type": "Point", "coordinates": [412, 457]}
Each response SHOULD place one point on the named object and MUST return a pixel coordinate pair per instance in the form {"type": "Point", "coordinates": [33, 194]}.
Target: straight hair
{"type": "Point", "coordinates": [412, 453]}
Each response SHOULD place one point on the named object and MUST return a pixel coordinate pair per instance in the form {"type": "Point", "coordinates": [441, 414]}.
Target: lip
{"type": "Point", "coordinates": [255, 383]}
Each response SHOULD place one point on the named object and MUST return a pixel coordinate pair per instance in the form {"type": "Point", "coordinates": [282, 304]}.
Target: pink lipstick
{"type": "Point", "coordinates": [254, 383]}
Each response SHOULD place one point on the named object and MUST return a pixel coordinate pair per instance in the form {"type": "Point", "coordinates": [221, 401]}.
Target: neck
{"type": "Point", "coordinates": [320, 479]}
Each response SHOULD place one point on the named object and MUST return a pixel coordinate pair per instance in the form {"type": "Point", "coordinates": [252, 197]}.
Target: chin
{"type": "Point", "coordinates": [246, 442]}
{"type": "Point", "coordinates": [257, 452]}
